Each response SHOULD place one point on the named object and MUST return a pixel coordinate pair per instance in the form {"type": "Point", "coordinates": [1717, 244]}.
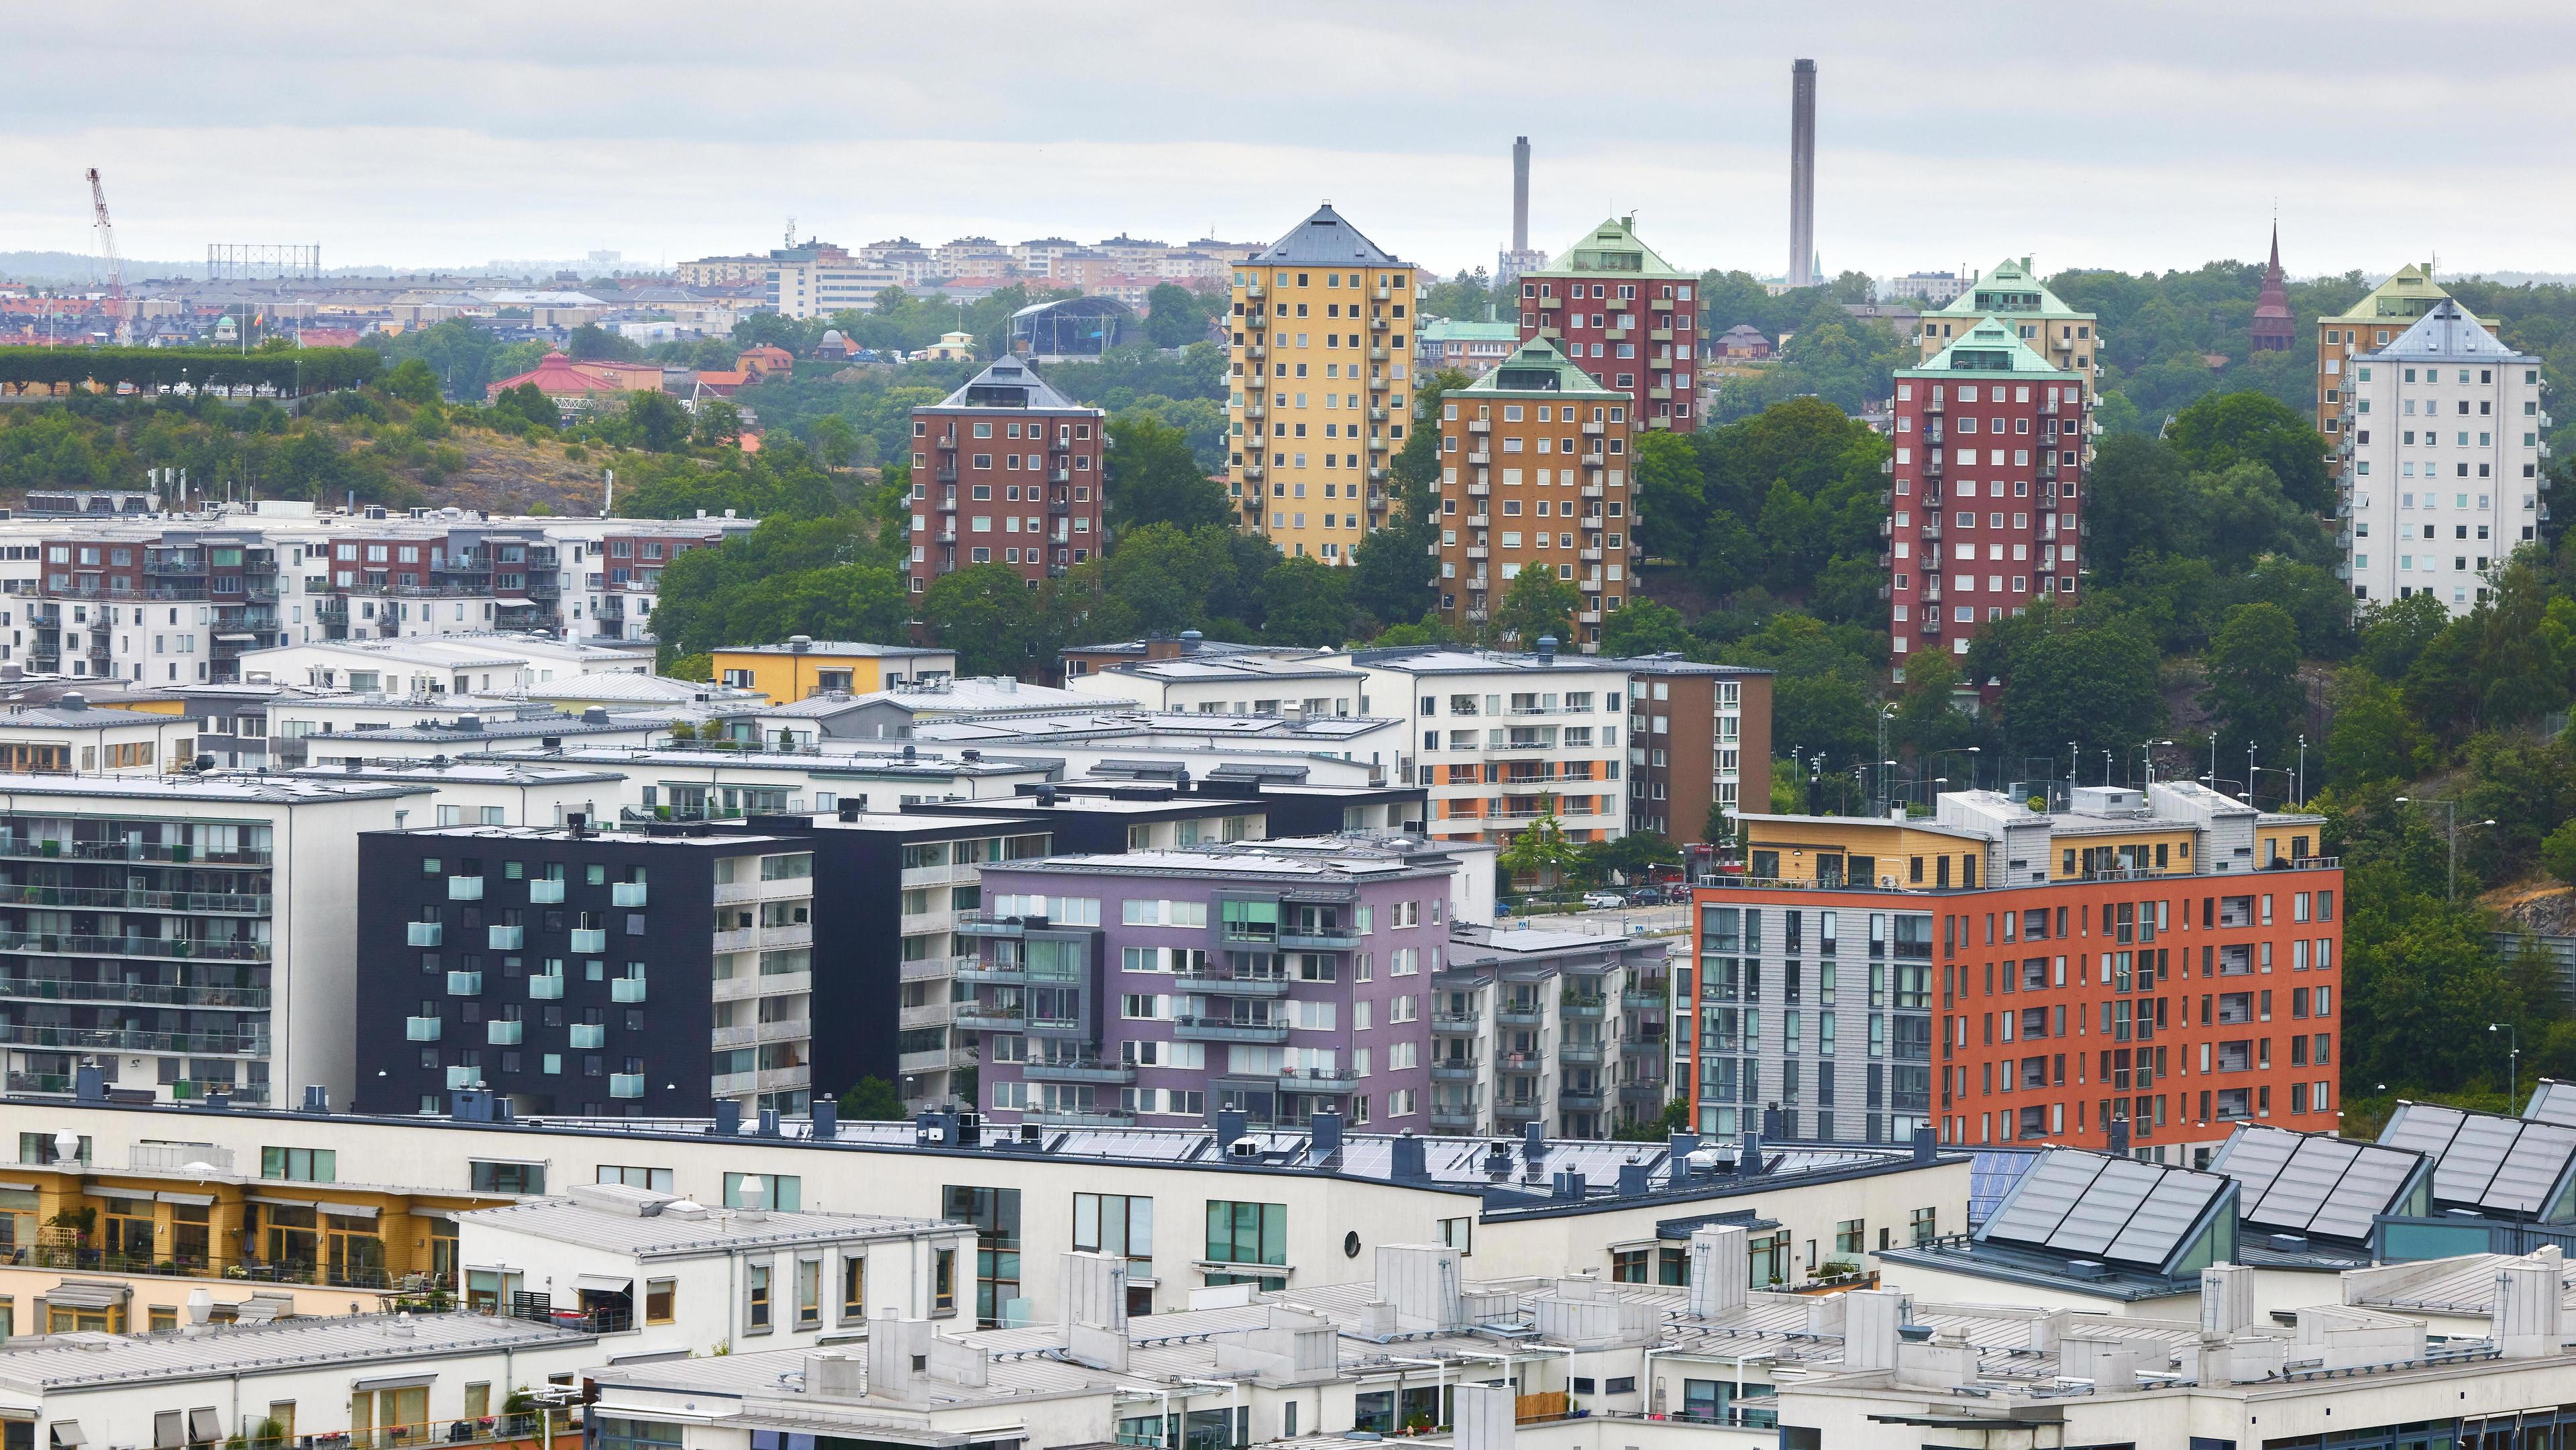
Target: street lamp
{"type": "Point", "coordinates": [1972, 765]}
{"type": "Point", "coordinates": [2512, 1061]}
{"type": "Point", "coordinates": [2451, 830]}
{"type": "Point", "coordinates": [2147, 749]}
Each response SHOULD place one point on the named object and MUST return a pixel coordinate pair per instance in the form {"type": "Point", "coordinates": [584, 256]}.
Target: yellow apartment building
{"type": "Point", "coordinates": [1321, 340]}
{"type": "Point", "coordinates": [803, 668]}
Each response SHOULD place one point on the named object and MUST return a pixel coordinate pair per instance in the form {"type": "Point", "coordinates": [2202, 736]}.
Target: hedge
{"type": "Point", "coordinates": [151, 368]}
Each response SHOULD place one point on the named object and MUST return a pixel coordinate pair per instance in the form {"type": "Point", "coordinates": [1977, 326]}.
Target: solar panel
{"type": "Point", "coordinates": [2552, 1102]}
{"type": "Point", "coordinates": [2423, 1127]}
{"type": "Point", "coordinates": [2047, 1191]}
{"type": "Point", "coordinates": [2477, 1150]}
{"type": "Point", "coordinates": [2253, 1157]}
{"type": "Point", "coordinates": [2097, 1217]}
{"type": "Point", "coordinates": [2370, 1186]}
{"type": "Point", "coordinates": [2304, 1183]}
{"type": "Point", "coordinates": [2530, 1168]}
{"type": "Point", "coordinates": [2172, 1206]}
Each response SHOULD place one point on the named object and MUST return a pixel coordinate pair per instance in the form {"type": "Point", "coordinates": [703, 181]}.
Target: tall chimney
{"type": "Point", "coordinates": [1520, 193]}
{"type": "Point", "coordinates": [1802, 173]}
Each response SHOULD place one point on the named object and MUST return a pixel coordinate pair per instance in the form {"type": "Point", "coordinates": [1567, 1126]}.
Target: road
{"type": "Point", "coordinates": [1654, 920]}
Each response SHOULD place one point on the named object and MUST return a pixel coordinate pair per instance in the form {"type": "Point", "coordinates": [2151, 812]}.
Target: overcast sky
{"type": "Point", "coordinates": [2127, 135]}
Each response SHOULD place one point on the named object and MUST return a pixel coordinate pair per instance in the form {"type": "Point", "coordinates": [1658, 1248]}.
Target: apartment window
{"type": "Point", "coordinates": [995, 1213]}
{"type": "Point", "coordinates": [756, 1298]}
{"type": "Point", "coordinates": [491, 1176]}
{"type": "Point", "coordinates": [780, 1192]}
{"type": "Point", "coordinates": [854, 1286]}
{"type": "Point", "coordinates": [1247, 1233]}
{"type": "Point", "coordinates": [661, 1298]}
{"type": "Point", "coordinates": [300, 1165]}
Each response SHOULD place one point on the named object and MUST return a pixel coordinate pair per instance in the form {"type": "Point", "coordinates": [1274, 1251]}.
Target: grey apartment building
{"type": "Point", "coordinates": [1275, 979]}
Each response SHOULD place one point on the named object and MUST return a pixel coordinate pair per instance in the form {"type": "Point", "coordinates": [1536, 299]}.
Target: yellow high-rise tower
{"type": "Point", "coordinates": [1321, 388]}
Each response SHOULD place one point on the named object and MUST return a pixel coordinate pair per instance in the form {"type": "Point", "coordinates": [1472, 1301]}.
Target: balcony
{"type": "Point", "coordinates": [423, 933]}
{"type": "Point", "coordinates": [465, 984]}
{"type": "Point", "coordinates": [1579, 1054]}
{"type": "Point", "coordinates": [592, 939]}
{"type": "Point", "coordinates": [988, 1017]}
{"type": "Point", "coordinates": [1335, 940]}
{"type": "Point", "coordinates": [1575, 1100]}
{"type": "Point", "coordinates": [505, 1032]}
{"type": "Point", "coordinates": [1520, 1014]}
{"type": "Point", "coordinates": [626, 989]}
{"type": "Point", "coordinates": [505, 938]}
{"type": "Point", "coordinates": [1455, 1070]}
{"type": "Point", "coordinates": [628, 893]}
{"type": "Point", "coordinates": [1094, 1071]}
{"type": "Point", "coordinates": [589, 1035]}
{"type": "Point", "coordinates": [545, 891]}
{"type": "Point", "coordinates": [1216, 986]}
{"type": "Point", "coordinates": [1453, 1119]}
{"type": "Point", "coordinates": [1581, 1009]}
{"type": "Point", "coordinates": [1636, 997]}
{"type": "Point", "coordinates": [626, 1084]}
{"type": "Point", "coordinates": [976, 969]}
{"type": "Point", "coordinates": [1329, 1080]}
{"type": "Point", "coordinates": [422, 1029]}
{"type": "Point", "coordinates": [465, 888]}
{"type": "Point", "coordinates": [1529, 1111]}
{"type": "Point", "coordinates": [1460, 1024]}
{"type": "Point", "coordinates": [1220, 1029]}
{"type": "Point", "coordinates": [546, 987]}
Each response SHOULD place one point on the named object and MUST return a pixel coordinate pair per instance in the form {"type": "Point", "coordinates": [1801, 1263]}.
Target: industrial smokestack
{"type": "Point", "coordinates": [1802, 173]}
{"type": "Point", "coordinates": [1520, 193]}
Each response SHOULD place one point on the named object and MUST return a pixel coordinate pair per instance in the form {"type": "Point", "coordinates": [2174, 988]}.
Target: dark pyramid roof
{"type": "Point", "coordinates": [1325, 239]}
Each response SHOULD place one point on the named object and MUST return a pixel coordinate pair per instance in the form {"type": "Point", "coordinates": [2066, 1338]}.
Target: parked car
{"type": "Point", "coordinates": [1603, 900]}
{"type": "Point", "coordinates": [1646, 896]}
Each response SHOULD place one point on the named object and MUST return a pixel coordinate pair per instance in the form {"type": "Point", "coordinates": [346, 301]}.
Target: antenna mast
{"type": "Point", "coordinates": [107, 250]}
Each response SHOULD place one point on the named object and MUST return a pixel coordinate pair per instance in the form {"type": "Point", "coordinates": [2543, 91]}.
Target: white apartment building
{"type": "Point", "coordinates": [819, 281]}
{"type": "Point", "coordinates": [186, 935]}
{"type": "Point", "coordinates": [672, 1276]}
{"type": "Point", "coordinates": [1306, 686]}
{"type": "Point", "coordinates": [2446, 460]}
{"type": "Point", "coordinates": [475, 664]}
{"type": "Point", "coordinates": [1495, 735]}
{"type": "Point", "coordinates": [1554, 1032]}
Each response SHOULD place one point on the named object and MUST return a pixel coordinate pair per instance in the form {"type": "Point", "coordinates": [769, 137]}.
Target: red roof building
{"type": "Point", "coordinates": [558, 376]}
{"type": "Point", "coordinates": [759, 360]}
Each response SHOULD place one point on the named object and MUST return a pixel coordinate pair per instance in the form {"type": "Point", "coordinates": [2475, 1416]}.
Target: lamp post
{"type": "Point", "coordinates": [1972, 750]}
{"type": "Point", "coordinates": [2302, 778]}
{"type": "Point", "coordinates": [2249, 772]}
{"type": "Point", "coordinates": [2147, 749]}
{"type": "Point", "coordinates": [2451, 830]}
{"type": "Point", "coordinates": [2512, 1061]}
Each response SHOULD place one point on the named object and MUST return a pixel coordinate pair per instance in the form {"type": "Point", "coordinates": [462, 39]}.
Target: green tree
{"type": "Point", "coordinates": [1541, 849]}
{"type": "Point", "coordinates": [1394, 575]}
{"type": "Point", "coordinates": [2254, 692]}
{"type": "Point", "coordinates": [2221, 430]}
{"type": "Point", "coordinates": [527, 403]}
{"type": "Point", "coordinates": [1176, 316]}
{"type": "Point", "coordinates": [655, 420]}
{"type": "Point", "coordinates": [2094, 686]}
{"type": "Point", "coordinates": [873, 1100]}
{"type": "Point", "coordinates": [985, 612]}
{"type": "Point", "coordinates": [719, 424]}
{"type": "Point", "coordinates": [833, 440]}
{"type": "Point", "coordinates": [1154, 478]}
{"type": "Point", "coordinates": [592, 342]}
{"type": "Point", "coordinates": [1646, 627]}
{"type": "Point", "coordinates": [1538, 603]}
{"type": "Point", "coordinates": [2558, 852]}
{"type": "Point", "coordinates": [1306, 603]}
{"type": "Point", "coordinates": [2373, 739]}
{"type": "Point", "coordinates": [411, 380]}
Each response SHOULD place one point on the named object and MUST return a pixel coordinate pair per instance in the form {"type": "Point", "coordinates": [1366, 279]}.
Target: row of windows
{"type": "Point", "coordinates": [1080, 432]}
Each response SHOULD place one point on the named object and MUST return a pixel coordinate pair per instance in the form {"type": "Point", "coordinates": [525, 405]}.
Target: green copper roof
{"type": "Point", "coordinates": [2013, 286]}
{"type": "Point", "coordinates": [2409, 294]}
{"type": "Point", "coordinates": [1537, 368]}
{"type": "Point", "coordinates": [1609, 249]}
{"type": "Point", "coordinates": [1992, 346]}
{"type": "Point", "coordinates": [1450, 329]}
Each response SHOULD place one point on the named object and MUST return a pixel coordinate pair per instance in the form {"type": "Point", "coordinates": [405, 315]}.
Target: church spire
{"type": "Point", "coordinates": [2273, 329]}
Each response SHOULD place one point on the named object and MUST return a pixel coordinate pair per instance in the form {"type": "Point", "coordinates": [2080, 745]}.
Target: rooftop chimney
{"type": "Point", "coordinates": [1326, 1130]}
{"type": "Point", "coordinates": [2118, 1134]}
{"type": "Point", "coordinates": [799, 643]}
{"type": "Point", "coordinates": [1720, 1269]}
{"type": "Point", "coordinates": [1802, 173]}
{"type": "Point", "coordinates": [827, 1119]}
{"type": "Point", "coordinates": [1533, 1141]}
{"type": "Point", "coordinates": [1546, 650]}
{"type": "Point", "coordinates": [1405, 1163]}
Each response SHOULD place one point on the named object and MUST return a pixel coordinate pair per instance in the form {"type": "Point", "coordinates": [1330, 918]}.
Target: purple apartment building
{"type": "Point", "coordinates": [1272, 978]}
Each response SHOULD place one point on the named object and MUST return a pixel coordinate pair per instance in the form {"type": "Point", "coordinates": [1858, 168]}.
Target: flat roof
{"type": "Point", "coordinates": [73, 1361]}
{"type": "Point", "coordinates": [243, 786]}
{"type": "Point", "coordinates": [846, 648]}
{"type": "Point", "coordinates": [669, 1226]}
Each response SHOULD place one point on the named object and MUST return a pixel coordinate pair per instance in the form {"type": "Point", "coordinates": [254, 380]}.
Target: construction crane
{"type": "Point", "coordinates": [107, 250]}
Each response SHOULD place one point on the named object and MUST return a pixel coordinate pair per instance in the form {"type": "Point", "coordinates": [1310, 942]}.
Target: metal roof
{"type": "Point", "coordinates": [1518, 374]}
{"type": "Point", "coordinates": [1327, 239]}
{"type": "Point", "coordinates": [1991, 338]}
{"type": "Point", "coordinates": [1012, 373]}
{"type": "Point", "coordinates": [2092, 1206]}
{"type": "Point", "coordinates": [1616, 237]}
{"type": "Point", "coordinates": [2448, 332]}
{"type": "Point", "coordinates": [2509, 1167]}
{"type": "Point", "coordinates": [2312, 1183]}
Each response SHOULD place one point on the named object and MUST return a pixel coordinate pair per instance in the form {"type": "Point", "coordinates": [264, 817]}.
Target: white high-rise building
{"type": "Point", "coordinates": [2445, 452]}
